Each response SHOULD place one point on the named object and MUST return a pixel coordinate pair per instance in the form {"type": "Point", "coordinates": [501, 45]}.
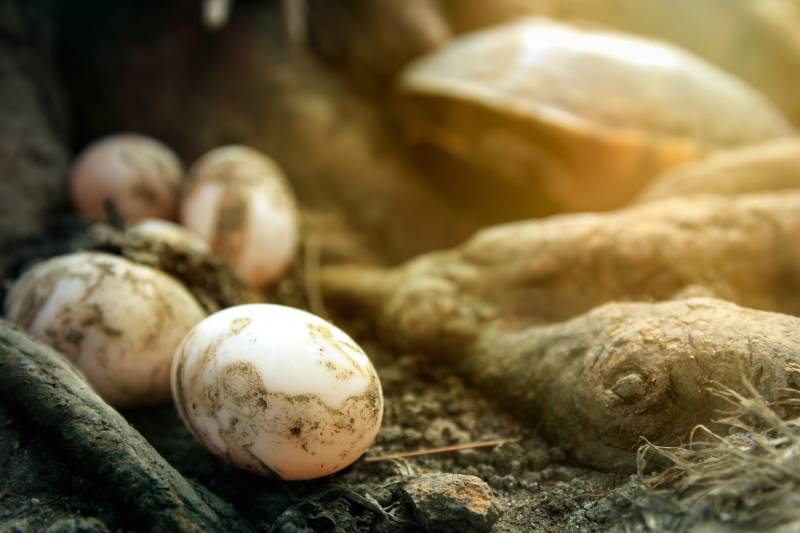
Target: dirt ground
{"type": "Point", "coordinates": [535, 489]}
{"type": "Point", "coordinates": [534, 486]}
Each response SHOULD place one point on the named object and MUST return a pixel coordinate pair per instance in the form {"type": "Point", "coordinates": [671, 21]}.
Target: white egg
{"type": "Point", "coordinates": [169, 233]}
{"type": "Point", "coordinates": [140, 175]}
{"type": "Point", "coordinates": [238, 200]}
{"type": "Point", "coordinates": [118, 321]}
{"type": "Point", "coordinates": [277, 391]}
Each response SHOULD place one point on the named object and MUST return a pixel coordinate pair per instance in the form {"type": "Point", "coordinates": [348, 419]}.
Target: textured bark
{"type": "Point", "coordinates": [500, 307]}
{"type": "Point", "coordinates": [599, 383]}
{"type": "Point", "coordinates": [544, 271]}
{"type": "Point", "coordinates": [56, 400]}
{"type": "Point", "coordinates": [769, 166]}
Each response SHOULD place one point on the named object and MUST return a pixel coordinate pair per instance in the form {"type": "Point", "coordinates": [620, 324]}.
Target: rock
{"type": "Point", "coordinates": [451, 502]}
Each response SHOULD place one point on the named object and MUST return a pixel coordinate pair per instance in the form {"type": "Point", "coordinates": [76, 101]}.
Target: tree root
{"type": "Point", "coordinates": [506, 307]}
{"type": "Point", "coordinates": [768, 166]}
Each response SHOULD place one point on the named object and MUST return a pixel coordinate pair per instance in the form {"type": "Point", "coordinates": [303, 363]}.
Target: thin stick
{"type": "Point", "coordinates": [442, 449]}
{"type": "Point", "coordinates": [311, 271]}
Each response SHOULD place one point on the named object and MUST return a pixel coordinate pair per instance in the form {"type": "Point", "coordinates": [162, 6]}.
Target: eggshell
{"type": "Point", "coordinates": [140, 175]}
{"type": "Point", "coordinates": [237, 199]}
{"type": "Point", "coordinates": [118, 321]}
{"type": "Point", "coordinates": [277, 391]}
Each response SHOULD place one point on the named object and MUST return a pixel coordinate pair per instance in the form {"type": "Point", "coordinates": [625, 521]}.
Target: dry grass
{"type": "Point", "coordinates": [748, 478]}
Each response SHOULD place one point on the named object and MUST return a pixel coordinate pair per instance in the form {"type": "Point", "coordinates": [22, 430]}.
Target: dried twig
{"type": "Point", "coordinates": [441, 449]}
{"type": "Point", "coordinates": [311, 268]}
{"type": "Point", "coordinates": [750, 474]}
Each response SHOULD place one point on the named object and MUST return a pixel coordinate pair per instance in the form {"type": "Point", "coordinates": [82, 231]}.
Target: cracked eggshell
{"type": "Point", "coordinates": [277, 391]}
{"type": "Point", "coordinates": [118, 321]}
{"type": "Point", "coordinates": [238, 200]}
{"type": "Point", "coordinates": [140, 175]}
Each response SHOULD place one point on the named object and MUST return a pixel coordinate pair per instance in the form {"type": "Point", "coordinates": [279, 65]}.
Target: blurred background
{"type": "Point", "coordinates": [406, 125]}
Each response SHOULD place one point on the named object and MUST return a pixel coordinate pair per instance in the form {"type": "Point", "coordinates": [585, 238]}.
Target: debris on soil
{"type": "Point", "coordinates": [450, 502]}
{"type": "Point", "coordinates": [748, 475]}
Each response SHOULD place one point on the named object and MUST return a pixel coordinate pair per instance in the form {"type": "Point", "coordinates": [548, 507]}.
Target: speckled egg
{"type": "Point", "coordinates": [277, 391]}
{"type": "Point", "coordinates": [238, 200]}
{"type": "Point", "coordinates": [140, 175]}
{"type": "Point", "coordinates": [118, 321]}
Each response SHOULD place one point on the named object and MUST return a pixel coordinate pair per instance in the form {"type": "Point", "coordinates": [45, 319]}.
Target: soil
{"type": "Point", "coordinates": [425, 406]}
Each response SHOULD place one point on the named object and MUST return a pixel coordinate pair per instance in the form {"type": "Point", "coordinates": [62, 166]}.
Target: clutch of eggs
{"type": "Point", "coordinates": [118, 321]}
{"type": "Point", "coordinates": [277, 391]}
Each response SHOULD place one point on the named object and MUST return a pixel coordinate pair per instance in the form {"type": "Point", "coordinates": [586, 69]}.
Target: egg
{"type": "Point", "coordinates": [238, 200]}
{"type": "Point", "coordinates": [118, 321]}
{"type": "Point", "coordinates": [140, 175]}
{"type": "Point", "coordinates": [169, 233]}
{"type": "Point", "coordinates": [277, 391]}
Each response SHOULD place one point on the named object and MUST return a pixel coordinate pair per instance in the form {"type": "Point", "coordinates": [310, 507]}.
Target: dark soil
{"type": "Point", "coordinates": [425, 407]}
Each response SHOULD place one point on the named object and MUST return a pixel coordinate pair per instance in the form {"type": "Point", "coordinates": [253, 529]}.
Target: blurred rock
{"type": "Point", "coordinates": [566, 117]}
{"type": "Point", "coordinates": [758, 41]}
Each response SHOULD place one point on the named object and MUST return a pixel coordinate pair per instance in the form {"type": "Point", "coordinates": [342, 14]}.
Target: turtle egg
{"type": "Point", "coordinates": [169, 233]}
{"type": "Point", "coordinates": [277, 391]}
{"type": "Point", "coordinates": [138, 174]}
{"type": "Point", "coordinates": [118, 321]}
{"type": "Point", "coordinates": [237, 199]}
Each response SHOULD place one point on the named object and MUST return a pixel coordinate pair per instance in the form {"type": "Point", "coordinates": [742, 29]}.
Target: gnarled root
{"type": "Point", "coordinates": [506, 307]}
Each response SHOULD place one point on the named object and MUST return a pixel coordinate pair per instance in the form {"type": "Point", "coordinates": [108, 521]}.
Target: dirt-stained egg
{"type": "Point", "coordinates": [169, 233]}
{"type": "Point", "coordinates": [118, 321]}
{"type": "Point", "coordinates": [139, 174]}
{"type": "Point", "coordinates": [277, 391]}
{"type": "Point", "coordinates": [238, 200]}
